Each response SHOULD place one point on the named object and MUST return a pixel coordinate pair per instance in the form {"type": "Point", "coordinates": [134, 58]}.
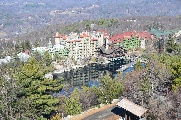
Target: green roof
{"type": "Point", "coordinates": [159, 33]}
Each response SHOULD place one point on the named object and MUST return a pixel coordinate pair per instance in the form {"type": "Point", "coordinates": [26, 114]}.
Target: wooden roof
{"type": "Point", "coordinates": [132, 107]}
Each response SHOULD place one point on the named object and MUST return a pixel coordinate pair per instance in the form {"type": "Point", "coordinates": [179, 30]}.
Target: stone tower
{"type": "Point", "coordinates": [57, 38]}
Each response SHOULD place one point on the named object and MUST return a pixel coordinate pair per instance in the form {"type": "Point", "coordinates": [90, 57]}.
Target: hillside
{"type": "Point", "coordinates": [19, 17]}
{"type": "Point", "coordinates": [113, 26]}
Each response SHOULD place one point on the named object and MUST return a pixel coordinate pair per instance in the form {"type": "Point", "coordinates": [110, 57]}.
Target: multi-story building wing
{"type": "Point", "coordinates": [58, 49]}
{"type": "Point", "coordinates": [74, 48]}
{"type": "Point", "coordinates": [131, 40]}
{"type": "Point", "coordinates": [93, 46]}
{"type": "Point", "coordinates": [83, 45]}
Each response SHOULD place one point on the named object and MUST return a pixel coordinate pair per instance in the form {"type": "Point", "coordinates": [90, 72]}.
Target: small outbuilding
{"type": "Point", "coordinates": [132, 110]}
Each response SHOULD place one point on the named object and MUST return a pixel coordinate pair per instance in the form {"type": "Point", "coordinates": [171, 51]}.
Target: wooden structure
{"type": "Point", "coordinates": [116, 56]}
{"type": "Point", "coordinates": [112, 52]}
{"type": "Point", "coordinates": [132, 108]}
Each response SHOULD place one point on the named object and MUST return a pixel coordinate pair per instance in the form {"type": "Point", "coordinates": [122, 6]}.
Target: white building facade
{"type": "Point", "coordinates": [83, 45]}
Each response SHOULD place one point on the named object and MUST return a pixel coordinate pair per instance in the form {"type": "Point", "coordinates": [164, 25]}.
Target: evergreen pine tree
{"type": "Point", "coordinates": [35, 91]}
{"type": "Point", "coordinates": [73, 105]}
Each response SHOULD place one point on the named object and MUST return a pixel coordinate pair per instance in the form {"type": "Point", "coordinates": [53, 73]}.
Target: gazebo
{"type": "Point", "coordinates": [132, 109]}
